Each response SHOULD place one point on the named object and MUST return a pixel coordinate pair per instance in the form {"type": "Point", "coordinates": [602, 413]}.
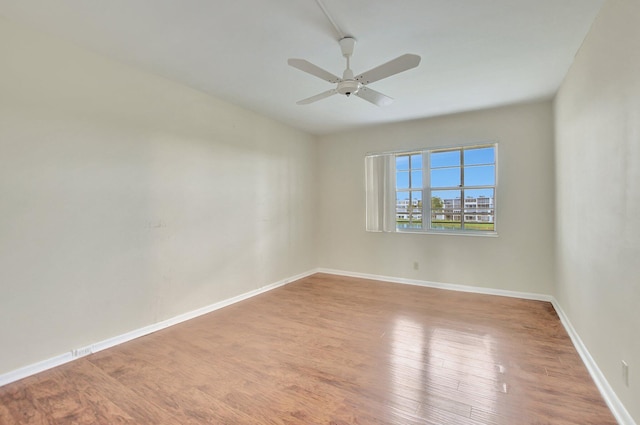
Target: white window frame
{"type": "Point", "coordinates": [388, 211]}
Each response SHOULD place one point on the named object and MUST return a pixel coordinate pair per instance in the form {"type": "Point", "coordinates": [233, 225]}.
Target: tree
{"type": "Point", "coordinates": [436, 203]}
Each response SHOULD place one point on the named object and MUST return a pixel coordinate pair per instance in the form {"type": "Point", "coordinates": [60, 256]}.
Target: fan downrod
{"type": "Point", "coordinates": [348, 85]}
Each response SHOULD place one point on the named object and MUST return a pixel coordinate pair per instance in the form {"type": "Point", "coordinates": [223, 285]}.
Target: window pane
{"type": "Point", "coordinates": [480, 193]}
{"type": "Point", "coordinates": [479, 209]}
{"type": "Point", "coordinates": [402, 203]}
{"type": "Point", "coordinates": [402, 180]}
{"type": "Point", "coordinates": [445, 158]}
{"type": "Point", "coordinates": [402, 162]}
{"type": "Point", "coordinates": [415, 216]}
{"type": "Point", "coordinates": [409, 225]}
{"type": "Point", "coordinates": [450, 199]}
{"type": "Point", "coordinates": [483, 175]}
{"type": "Point", "coordinates": [403, 196]}
{"type": "Point", "coordinates": [416, 179]}
{"type": "Point", "coordinates": [409, 210]}
{"type": "Point", "coordinates": [446, 209]}
{"type": "Point", "coordinates": [479, 156]}
{"type": "Point", "coordinates": [416, 199]}
{"type": "Point", "coordinates": [445, 177]}
{"type": "Point", "coordinates": [416, 161]}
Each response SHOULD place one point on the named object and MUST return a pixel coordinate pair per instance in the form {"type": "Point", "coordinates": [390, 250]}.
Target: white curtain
{"type": "Point", "coordinates": [380, 182]}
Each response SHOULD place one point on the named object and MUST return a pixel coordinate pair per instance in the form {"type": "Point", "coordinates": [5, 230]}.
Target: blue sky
{"type": "Point", "coordinates": [479, 170]}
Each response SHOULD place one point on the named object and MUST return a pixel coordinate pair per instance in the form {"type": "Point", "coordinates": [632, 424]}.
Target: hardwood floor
{"type": "Point", "coordinates": [330, 350]}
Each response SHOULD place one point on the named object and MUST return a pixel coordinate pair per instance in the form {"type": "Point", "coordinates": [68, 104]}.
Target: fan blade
{"type": "Point", "coordinates": [312, 69]}
{"type": "Point", "coordinates": [317, 97]}
{"type": "Point", "coordinates": [395, 66]}
{"type": "Point", "coordinates": [373, 96]}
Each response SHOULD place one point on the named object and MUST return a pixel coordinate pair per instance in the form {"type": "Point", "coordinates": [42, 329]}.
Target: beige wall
{"type": "Point", "coordinates": [126, 199]}
{"type": "Point", "coordinates": [598, 177]}
{"type": "Point", "coordinates": [521, 258]}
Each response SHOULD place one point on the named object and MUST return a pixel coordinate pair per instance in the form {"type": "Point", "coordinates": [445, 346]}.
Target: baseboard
{"type": "Point", "coordinates": [76, 353]}
{"type": "Point", "coordinates": [111, 342]}
{"type": "Point", "coordinates": [610, 397]}
{"type": "Point", "coordinates": [32, 369]}
{"type": "Point", "coordinates": [615, 405]}
{"type": "Point", "coordinates": [439, 285]}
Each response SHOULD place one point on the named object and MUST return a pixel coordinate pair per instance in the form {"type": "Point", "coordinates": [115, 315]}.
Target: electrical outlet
{"type": "Point", "coordinates": [416, 265]}
{"type": "Point", "coordinates": [625, 373]}
{"type": "Point", "coordinates": [81, 352]}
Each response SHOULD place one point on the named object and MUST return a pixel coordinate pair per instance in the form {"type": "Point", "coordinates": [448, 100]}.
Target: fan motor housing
{"type": "Point", "coordinates": [348, 87]}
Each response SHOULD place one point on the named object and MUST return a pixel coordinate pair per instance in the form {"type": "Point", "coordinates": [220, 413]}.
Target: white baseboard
{"type": "Point", "coordinates": [610, 397]}
{"type": "Point", "coordinates": [76, 353]}
{"type": "Point", "coordinates": [438, 285]}
{"type": "Point", "coordinates": [617, 408]}
{"type": "Point", "coordinates": [32, 369]}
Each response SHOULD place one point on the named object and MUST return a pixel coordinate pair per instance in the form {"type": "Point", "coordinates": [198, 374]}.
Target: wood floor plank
{"type": "Point", "coordinates": [17, 407]}
{"type": "Point", "coordinates": [330, 350]}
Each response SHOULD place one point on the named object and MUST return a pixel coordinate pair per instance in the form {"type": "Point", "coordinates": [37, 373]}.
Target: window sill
{"type": "Point", "coordinates": [450, 233]}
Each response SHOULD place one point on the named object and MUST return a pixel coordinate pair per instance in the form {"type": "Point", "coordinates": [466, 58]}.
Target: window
{"type": "Point", "coordinates": [459, 184]}
{"type": "Point", "coordinates": [409, 191]}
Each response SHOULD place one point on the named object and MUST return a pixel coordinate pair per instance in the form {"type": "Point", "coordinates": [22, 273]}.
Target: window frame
{"type": "Point", "coordinates": [427, 189]}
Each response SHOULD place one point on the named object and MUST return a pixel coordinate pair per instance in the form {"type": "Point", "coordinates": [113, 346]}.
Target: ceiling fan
{"type": "Point", "coordinates": [348, 84]}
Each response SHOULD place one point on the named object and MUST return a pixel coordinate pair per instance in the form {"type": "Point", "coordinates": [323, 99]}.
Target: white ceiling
{"type": "Point", "coordinates": [475, 53]}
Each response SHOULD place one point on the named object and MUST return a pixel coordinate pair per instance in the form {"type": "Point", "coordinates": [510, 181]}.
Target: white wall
{"type": "Point", "coordinates": [521, 258]}
{"type": "Point", "coordinates": [126, 199]}
{"type": "Point", "coordinates": [597, 115]}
